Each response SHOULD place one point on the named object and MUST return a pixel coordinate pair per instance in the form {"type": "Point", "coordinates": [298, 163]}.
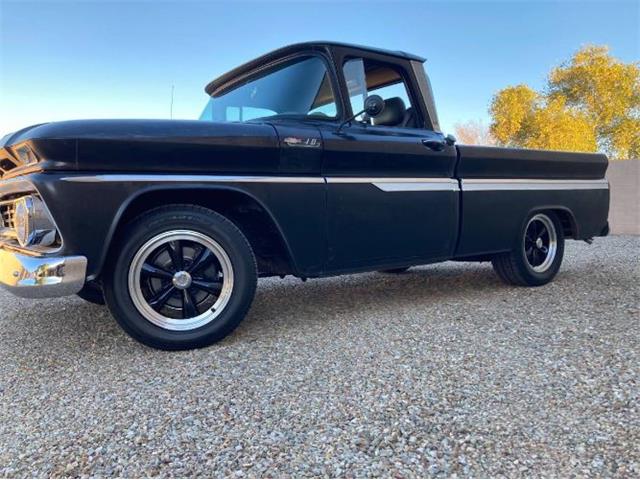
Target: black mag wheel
{"type": "Point", "coordinates": [180, 277]}
{"type": "Point", "coordinates": [181, 280]}
{"type": "Point", "coordinates": [540, 242]}
{"type": "Point", "coordinates": [537, 257]}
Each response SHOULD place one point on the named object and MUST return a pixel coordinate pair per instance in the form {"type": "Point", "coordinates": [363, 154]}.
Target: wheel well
{"type": "Point", "coordinates": [567, 220]}
{"type": "Point", "coordinates": [271, 251]}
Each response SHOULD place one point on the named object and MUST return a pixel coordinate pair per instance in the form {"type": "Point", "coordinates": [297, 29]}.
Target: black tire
{"type": "Point", "coordinates": [92, 293]}
{"type": "Point", "coordinates": [120, 290]}
{"type": "Point", "coordinates": [520, 266]}
{"type": "Point", "coordinates": [395, 270]}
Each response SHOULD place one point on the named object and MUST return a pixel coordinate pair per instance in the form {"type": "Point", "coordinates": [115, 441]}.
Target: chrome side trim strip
{"type": "Point", "coordinates": [191, 179]}
{"type": "Point", "coordinates": [390, 184]}
{"type": "Point", "coordinates": [486, 184]}
{"type": "Point", "coordinates": [423, 186]}
{"type": "Point", "coordinates": [386, 184]}
{"type": "Point", "coordinates": [390, 180]}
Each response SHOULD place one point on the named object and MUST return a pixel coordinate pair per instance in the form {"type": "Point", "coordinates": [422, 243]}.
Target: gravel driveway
{"type": "Point", "coordinates": [442, 371]}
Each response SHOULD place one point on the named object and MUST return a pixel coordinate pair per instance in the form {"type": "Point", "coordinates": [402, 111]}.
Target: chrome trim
{"type": "Point", "coordinates": [36, 221]}
{"type": "Point", "coordinates": [302, 142]}
{"type": "Point", "coordinates": [390, 184]}
{"type": "Point", "coordinates": [13, 186]}
{"type": "Point", "coordinates": [21, 171]}
{"type": "Point", "coordinates": [387, 184]}
{"type": "Point", "coordinates": [191, 178]}
{"type": "Point", "coordinates": [389, 180]}
{"type": "Point", "coordinates": [41, 277]}
{"type": "Point", "coordinates": [10, 233]}
{"type": "Point", "coordinates": [421, 186]}
{"type": "Point", "coordinates": [484, 184]}
{"type": "Point", "coordinates": [20, 188]}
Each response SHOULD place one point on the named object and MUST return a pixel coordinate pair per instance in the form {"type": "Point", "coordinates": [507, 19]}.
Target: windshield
{"type": "Point", "coordinates": [299, 88]}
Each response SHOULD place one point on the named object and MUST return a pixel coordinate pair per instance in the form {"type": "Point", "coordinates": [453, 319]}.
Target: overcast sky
{"type": "Point", "coordinates": [98, 59]}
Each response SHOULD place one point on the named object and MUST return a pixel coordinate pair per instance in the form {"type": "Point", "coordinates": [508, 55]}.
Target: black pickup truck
{"type": "Point", "coordinates": [317, 159]}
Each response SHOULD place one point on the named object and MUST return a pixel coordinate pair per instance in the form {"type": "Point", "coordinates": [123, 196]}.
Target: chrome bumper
{"type": "Point", "coordinates": [41, 277]}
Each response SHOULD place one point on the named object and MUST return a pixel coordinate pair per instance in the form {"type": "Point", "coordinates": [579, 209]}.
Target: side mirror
{"type": "Point", "coordinates": [373, 105]}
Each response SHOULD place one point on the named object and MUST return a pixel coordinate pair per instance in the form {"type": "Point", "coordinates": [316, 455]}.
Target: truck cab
{"type": "Point", "coordinates": [401, 150]}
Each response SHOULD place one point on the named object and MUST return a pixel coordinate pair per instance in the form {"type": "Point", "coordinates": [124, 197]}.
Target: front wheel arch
{"type": "Point", "coordinates": [206, 322]}
{"type": "Point", "coordinates": [252, 217]}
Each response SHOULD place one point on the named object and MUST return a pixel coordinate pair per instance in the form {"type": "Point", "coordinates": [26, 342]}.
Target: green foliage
{"type": "Point", "coordinates": [591, 102]}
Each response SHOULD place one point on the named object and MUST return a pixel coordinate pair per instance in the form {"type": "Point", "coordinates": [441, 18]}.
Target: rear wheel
{"type": "Point", "coordinates": [184, 278]}
{"type": "Point", "coordinates": [537, 255]}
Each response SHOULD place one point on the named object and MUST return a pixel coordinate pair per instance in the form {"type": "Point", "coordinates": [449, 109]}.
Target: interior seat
{"type": "Point", "coordinates": [393, 114]}
{"type": "Point", "coordinates": [410, 120]}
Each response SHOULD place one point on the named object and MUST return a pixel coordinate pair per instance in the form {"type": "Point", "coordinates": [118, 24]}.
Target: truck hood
{"type": "Point", "coordinates": [148, 145]}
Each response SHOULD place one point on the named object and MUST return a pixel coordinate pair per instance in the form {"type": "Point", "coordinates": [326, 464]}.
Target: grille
{"type": "Point", "coordinates": [6, 214]}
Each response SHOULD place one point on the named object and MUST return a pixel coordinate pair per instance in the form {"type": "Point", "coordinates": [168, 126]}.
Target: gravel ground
{"type": "Point", "coordinates": [442, 371]}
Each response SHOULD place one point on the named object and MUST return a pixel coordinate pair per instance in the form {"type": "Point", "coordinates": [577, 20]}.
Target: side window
{"type": "Point", "coordinates": [364, 78]}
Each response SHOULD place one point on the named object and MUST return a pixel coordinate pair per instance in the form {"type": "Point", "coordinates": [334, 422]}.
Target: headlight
{"type": "Point", "coordinates": [32, 222]}
{"type": "Point", "coordinates": [21, 220]}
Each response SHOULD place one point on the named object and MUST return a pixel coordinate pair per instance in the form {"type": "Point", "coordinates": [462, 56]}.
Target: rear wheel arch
{"type": "Point", "coordinates": [251, 216]}
{"type": "Point", "coordinates": [564, 214]}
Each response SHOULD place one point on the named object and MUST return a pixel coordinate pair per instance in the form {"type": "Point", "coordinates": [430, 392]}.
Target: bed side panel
{"type": "Point", "coordinates": [501, 187]}
{"type": "Point", "coordinates": [494, 162]}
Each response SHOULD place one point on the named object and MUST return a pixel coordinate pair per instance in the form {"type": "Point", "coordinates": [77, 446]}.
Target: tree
{"type": "Point", "coordinates": [511, 110]}
{"type": "Point", "coordinates": [473, 132]}
{"type": "Point", "coordinates": [591, 102]}
{"type": "Point", "coordinates": [553, 126]}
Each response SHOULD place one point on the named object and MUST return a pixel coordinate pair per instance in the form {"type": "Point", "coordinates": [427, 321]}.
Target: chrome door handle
{"type": "Point", "coordinates": [435, 145]}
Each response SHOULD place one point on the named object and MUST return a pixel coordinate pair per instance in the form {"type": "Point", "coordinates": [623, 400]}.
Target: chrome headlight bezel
{"type": "Point", "coordinates": [22, 219]}
{"type": "Point", "coordinates": [32, 223]}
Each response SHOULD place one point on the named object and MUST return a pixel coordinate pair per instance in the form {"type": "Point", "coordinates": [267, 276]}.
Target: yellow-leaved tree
{"type": "Point", "coordinates": [591, 102]}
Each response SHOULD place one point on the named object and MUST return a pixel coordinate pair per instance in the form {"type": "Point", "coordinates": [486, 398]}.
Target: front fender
{"type": "Point", "coordinates": [89, 209]}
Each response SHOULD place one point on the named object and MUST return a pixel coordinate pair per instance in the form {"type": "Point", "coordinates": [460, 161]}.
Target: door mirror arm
{"type": "Point", "coordinates": [373, 106]}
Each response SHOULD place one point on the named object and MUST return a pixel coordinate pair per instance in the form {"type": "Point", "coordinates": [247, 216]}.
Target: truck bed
{"type": "Point", "coordinates": [502, 186]}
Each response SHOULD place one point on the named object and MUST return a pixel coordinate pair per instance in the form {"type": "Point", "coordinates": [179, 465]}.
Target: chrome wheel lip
{"type": "Point", "coordinates": [552, 246]}
{"type": "Point", "coordinates": [173, 324]}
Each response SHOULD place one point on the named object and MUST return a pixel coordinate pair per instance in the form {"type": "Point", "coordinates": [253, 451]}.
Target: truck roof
{"type": "Point", "coordinates": [247, 67]}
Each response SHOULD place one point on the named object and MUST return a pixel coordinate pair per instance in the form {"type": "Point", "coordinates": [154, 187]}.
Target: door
{"type": "Point", "coordinates": [391, 199]}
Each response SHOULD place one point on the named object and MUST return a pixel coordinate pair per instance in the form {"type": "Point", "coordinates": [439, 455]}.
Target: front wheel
{"type": "Point", "coordinates": [537, 255]}
{"type": "Point", "coordinates": [183, 277]}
